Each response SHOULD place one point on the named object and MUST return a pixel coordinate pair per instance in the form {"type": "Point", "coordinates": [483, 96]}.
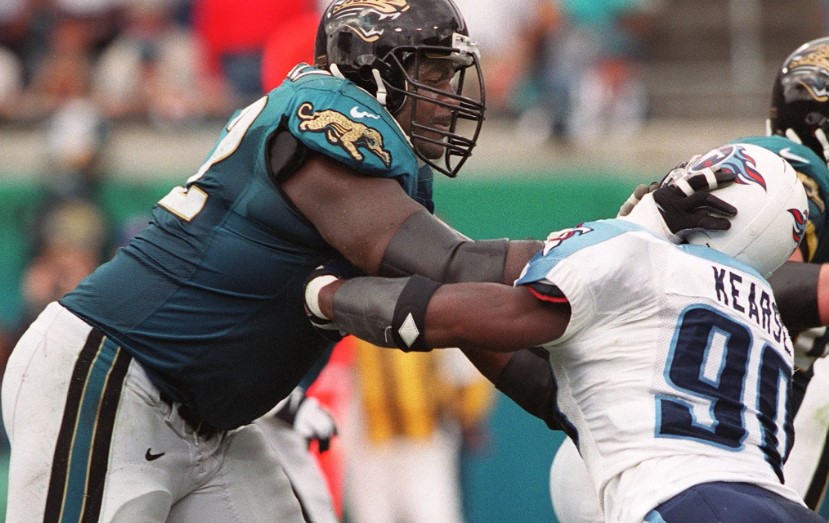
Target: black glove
{"type": "Point", "coordinates": [686, 204]}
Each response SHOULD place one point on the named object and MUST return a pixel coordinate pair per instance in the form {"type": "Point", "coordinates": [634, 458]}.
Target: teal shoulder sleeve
{"type": "Point", "coordinates": [334, 117]}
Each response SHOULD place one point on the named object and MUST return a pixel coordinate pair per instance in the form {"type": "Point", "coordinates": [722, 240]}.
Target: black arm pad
{"type": "Point", "coordinates": [527, 379]}
{"type": "Point", "coordinates": [424, 245]}
{"type": "Point", "coordinates": [409, 320]}
{"type": "Point", "coordinates": [795, 287]}
{"type": "Point", "coordinates": [387, 312]}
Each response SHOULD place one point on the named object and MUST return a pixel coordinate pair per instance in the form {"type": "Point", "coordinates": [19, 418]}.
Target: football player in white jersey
{"type": "Point", "coordinates": [672, 366]}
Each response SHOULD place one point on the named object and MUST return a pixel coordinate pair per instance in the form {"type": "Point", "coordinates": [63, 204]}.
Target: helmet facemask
{"type": "Point", "coordinates": [386, 46]}
{"type": "Point", "coordinates": [444, 141]}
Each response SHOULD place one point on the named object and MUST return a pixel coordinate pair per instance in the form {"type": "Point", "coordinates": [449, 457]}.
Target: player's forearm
{"type": "Point", "coordinates": [416, 314]}
{"type": "Point", "coordinates": [801, 291]}
{"type": "Point", "coordinates": [524, 376]}
{"type": "Point", "coordinates": [520, 252]}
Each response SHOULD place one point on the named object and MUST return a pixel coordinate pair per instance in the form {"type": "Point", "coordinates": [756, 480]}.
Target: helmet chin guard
{"type": "Point", "coordinates": [382, 45]}
{"type": "Point", "coordinates": [772, 208]}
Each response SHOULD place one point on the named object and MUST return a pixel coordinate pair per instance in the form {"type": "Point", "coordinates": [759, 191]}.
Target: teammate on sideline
{"type": "Point", "coordinates": [672, 364]}
{"type": "Point", "coordinates": [132, 397]}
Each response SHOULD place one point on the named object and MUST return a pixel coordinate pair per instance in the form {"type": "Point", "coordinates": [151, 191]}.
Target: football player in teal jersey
{"type": "Point", "coordinates": [131, 399]}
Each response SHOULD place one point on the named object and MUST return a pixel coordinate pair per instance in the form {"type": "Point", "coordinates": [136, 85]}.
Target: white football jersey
{"type": "Point", "coordinates": [674, 369]}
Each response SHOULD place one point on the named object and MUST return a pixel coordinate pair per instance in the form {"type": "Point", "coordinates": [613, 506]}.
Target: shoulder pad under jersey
{"type": "Point", "coordinates": [561, 244]}
{"type": "Point", "coordinates": [334, 117]}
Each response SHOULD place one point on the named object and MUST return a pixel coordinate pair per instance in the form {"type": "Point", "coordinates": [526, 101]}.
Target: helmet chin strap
{"type": "Point", "coordinates": [382, 93]}
{"type": "Point", "coordinates": [381, 87]}
{"type": "Point", "coordinates": [820, 136]}
{"type": "Point", "coordinates": [335, 70]}
{"type": "Point", "coordinates": [824, 142]}
{"type": "Point", "coordinates": [791, 135]}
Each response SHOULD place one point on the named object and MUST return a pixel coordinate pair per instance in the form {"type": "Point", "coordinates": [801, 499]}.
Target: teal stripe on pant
{"type": "Point", "coordinates": [81, 456]}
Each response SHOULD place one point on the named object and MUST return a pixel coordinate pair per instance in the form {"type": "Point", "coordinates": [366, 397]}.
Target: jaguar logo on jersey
{"type": "Point", "coordinates": [732, 159]}
{"type": "Point", "coordinates": [380, 8]}
{"type": "Point", "coordinates": [342, 131]}
{"type": "Point", "coordinates": [800, 220]}
{"type": "Point", "coordinates": [554, 239]}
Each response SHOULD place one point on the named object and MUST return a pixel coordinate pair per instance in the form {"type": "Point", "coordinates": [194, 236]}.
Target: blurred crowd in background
{"type": "Point", "coordinates": [172, 62]}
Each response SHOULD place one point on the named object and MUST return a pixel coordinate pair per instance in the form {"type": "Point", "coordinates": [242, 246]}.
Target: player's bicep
{"type": "Point", "coordinates": [357, 215]}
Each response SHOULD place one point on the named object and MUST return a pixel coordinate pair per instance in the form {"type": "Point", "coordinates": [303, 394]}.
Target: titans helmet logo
{"type": "Point", "coordinates": [344, 132]}
{"type": "Point", "coordinates": [800, 220]}
{"type": "Point", "coordinates": [554, 239]}
{"type": "Point", "coordinates": [732, 159]}
{"type": "Point", "coordinates": [353, 10]}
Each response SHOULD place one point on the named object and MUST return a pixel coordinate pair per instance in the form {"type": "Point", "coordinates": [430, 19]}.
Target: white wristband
{"type": "Point", "coordinates": [312, 293]}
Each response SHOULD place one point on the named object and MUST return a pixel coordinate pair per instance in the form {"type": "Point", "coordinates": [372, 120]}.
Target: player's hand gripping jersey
{"type": "Point", "coordinates": [714, 376]}
{"type": "Point", "coordinates": [230, 239]}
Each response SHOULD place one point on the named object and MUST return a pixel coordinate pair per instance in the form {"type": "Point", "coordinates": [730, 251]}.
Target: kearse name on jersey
{"type": "Point", "coordinates": [749, 299]}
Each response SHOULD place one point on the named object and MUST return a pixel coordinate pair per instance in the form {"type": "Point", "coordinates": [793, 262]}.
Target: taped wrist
{"type": "Point", "coordinates": [425, 245]}
{"type": "Point", "coordinates": [387, 312]}
{"type": "Point", "coordinates": [795, 287]}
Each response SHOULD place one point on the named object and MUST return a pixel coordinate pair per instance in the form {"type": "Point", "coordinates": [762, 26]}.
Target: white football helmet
{"type": "Point", "coordinates": [772, 209]}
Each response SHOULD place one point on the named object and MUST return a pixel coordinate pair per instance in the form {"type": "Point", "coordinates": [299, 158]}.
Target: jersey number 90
{"type": "Point", "coordinates": [711, 364]}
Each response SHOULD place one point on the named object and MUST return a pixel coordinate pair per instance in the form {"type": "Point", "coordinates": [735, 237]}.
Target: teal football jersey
{"type": "Point", "coordinates": [212, 305]}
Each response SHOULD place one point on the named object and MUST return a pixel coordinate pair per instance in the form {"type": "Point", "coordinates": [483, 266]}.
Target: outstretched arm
{"type": "Point", "coordinates": [419, 314]}
{"type": "Point", "coordinates": [381, 230]}
{"type": "Point", "coordinates": [490, 322]}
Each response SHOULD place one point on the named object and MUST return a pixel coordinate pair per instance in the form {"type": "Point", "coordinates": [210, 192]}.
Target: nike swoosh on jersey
{"type": "Point", "coordinates": [357, 113]}
{"type": "Point", "coordinates": [149, 456]}
{"type": "Point", "coordinates": [787, 153]}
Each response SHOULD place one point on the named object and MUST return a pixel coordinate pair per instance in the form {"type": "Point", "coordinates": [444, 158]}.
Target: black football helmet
{"type": "Point", "coordinates": [800, 97]}
{"type": "Point", "coordinates": [380, 44]}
